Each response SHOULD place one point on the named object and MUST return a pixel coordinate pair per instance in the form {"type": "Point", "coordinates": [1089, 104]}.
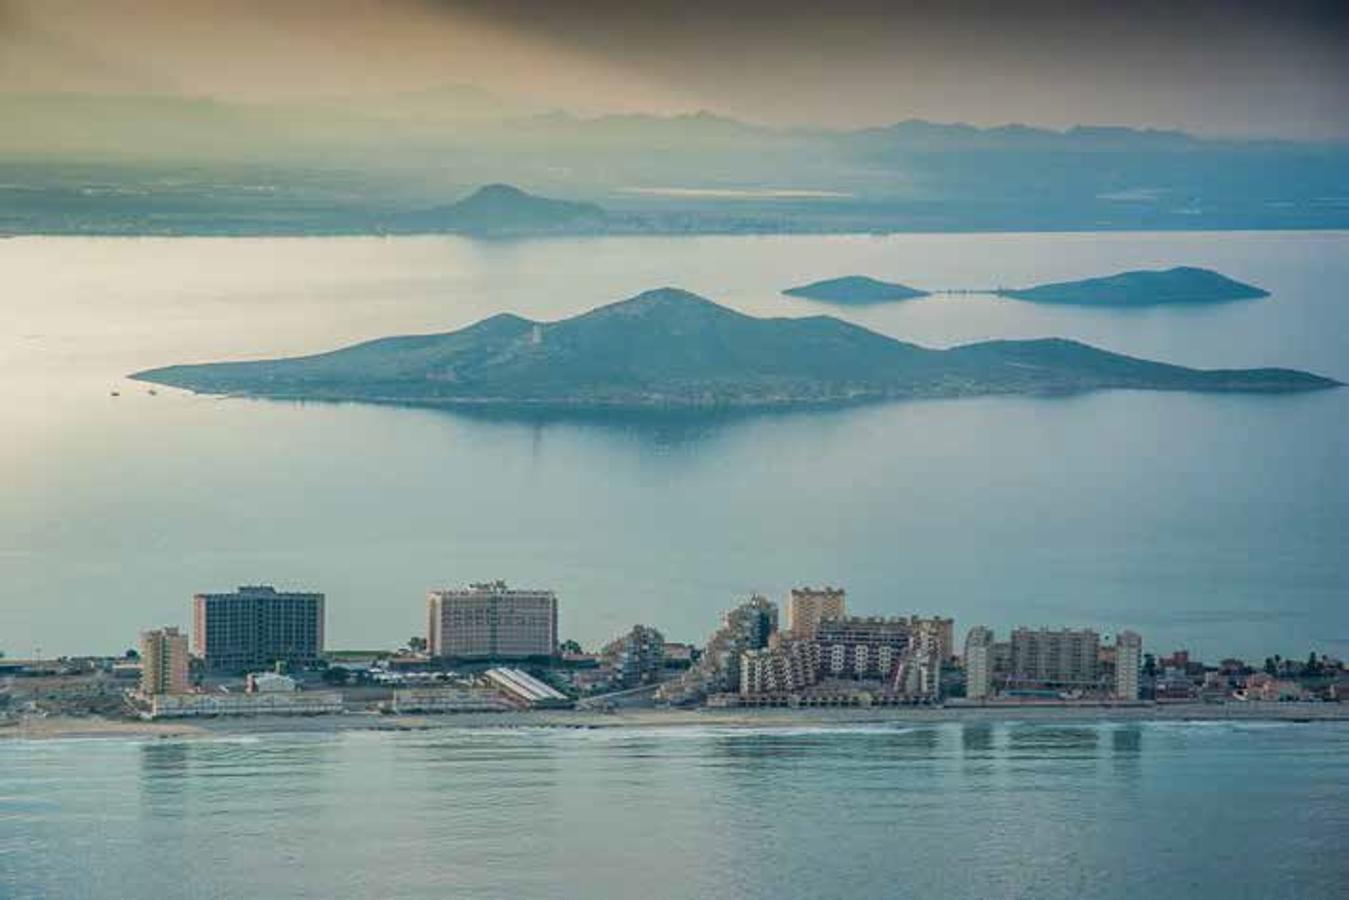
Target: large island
{"type": "Point", "coordinates": [668, 348]}
{"type": "Point", "coordinates": [1179, 285]}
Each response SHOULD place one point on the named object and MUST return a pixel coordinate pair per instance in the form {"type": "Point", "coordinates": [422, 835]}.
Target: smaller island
{"type": "Point", "coordinates": [1181, 285]}
{"type": "Point", "coordinates": [855, 290]}
{"type": "Point", "coordinates": [503, 209]}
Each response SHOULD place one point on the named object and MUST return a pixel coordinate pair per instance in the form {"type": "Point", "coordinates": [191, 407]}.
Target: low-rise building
{"type": "Point", "coordinates": [447, 699]}
{"type": "Point", "coordinates": [269, 683]}
{"type": "Point", "coordinates": [185, 706]}
{"type": "Point", "coordinates": [1261, 686]}
{"type": "Point", "coordinates": [524, 689]}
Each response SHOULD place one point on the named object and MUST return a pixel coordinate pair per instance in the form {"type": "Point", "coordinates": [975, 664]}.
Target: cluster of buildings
{"type": "Point", "coordinates": [257, 650]}
{"type": "Point", "coordinates": [1051, 663]}
{"type": "Point", "coordinates": [261, 633]}
{"type": "Point", "coordinates": [823, 657]}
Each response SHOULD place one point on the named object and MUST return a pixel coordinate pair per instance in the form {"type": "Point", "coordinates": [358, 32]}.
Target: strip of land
{"type": "Point", "coordinates": [61, 727]}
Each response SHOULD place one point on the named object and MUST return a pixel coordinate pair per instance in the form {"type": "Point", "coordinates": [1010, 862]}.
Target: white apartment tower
{"type": "Point", "coordinates": [491, 621]}
{"type": "Point", "coordinates": [1128, 662]}
{"type": "Point", "coordinates": [979, 663]}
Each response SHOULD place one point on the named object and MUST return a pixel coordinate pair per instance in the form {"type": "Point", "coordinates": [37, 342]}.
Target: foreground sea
{"type": "Point", "coordinates": [1213, 522]}
{"type": "Point", "coordinates": [960, 811]}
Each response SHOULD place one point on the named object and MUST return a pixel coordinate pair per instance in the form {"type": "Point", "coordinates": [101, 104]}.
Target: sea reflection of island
{"type": "Point", "coordinates": [671, 428]}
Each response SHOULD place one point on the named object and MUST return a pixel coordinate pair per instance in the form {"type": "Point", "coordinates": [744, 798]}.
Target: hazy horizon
{"type": "Point", "coordinates": [1211, 69]}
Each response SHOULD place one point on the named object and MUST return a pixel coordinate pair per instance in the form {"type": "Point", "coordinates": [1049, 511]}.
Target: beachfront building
{"type": "Point", "coordinates": [979, 663]}
{"type": "Point", "coordinates": [1059, 658]}
{"type": "Point", "coordinates": [491, 621]}
{"type": "Point", "coordinates": [635, 658]}
{"type": "Point", "coordinates": [937, 630]}
{"type": "Point", "coordinates": [789, 667]}
{"type": "Point", "coordinates": [276, 703]}
{"type": "Point", "coordinates": [269, 683]}
{"type": "Point", "coordinates": [164, 662]}
{"type": "Point", "coordinates": [862, 647]}
{"type": "Point", "coordinates": [524, 690]}
{"type": "Point", "coordinates": [257, 627]}
{"type": "Point", "coordinates": [807, 607]}
{"type": "Point", "coordinates": [749, 626]}
{"type": "Point", "coordinates": [1128, 663]}
{"type": "Point", "coordinates": [441, 698]}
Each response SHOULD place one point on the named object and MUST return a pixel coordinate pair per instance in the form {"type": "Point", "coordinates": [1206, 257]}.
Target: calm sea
{"type": "Point", "coordinates": [1178, 810]}
{"type": "Point", "coordinates": [1217, 523]}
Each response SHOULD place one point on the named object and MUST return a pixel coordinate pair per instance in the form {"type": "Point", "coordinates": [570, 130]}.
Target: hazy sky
{"type": "Point", "coordinates": [1234, 67]}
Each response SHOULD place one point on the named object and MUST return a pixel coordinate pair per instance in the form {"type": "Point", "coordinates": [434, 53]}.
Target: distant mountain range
{"type": "Point", "coordinates": [110, 164]}
{"type": "Point", "coordinates": [668, 348]}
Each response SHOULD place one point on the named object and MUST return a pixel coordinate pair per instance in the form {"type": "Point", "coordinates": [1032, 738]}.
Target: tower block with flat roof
{"type": "Point", "coordinates": [807, 607]}
{"type": "Point", "coordinates": [257, 627]}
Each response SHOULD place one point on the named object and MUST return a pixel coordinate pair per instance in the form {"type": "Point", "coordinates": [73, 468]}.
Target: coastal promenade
{"type": "Point", "coordinates": [57, 727]}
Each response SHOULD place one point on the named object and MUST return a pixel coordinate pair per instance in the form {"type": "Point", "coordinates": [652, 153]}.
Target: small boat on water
{"type": "Point", "coordinates": [114, 393]}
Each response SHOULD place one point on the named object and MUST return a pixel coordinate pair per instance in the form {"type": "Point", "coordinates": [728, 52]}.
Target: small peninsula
{"type": "Point", "coordinates": [1180, 285]}
{"type": "Point", "coordinates": [856, 290]}
{"type": "Point", "coordinates": [668, 348]}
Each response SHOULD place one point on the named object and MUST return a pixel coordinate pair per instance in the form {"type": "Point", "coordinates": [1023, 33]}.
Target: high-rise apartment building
{"type": "Point", "coordinates": [491, 621]}
{"type": "Point", "coordinates": [938, 631]}
{"type": "Point", "coordinates": [749, 626]}
{"type": "Point", "coordinates": [635, 658]}
{"type": "Point", "coordinates": [791, 666]}
{"type": "Point", "coordinates": [862, 647]}
{"type": "Point", "coordinates": [807, 606]}
{"type": "Point", "coordinates": [256, 627]}
{"type": "Point", "coordinates": [979, 663]}
{"type": "Point", "coordinates": [1063, 658]}
{"type": "Point", "coordinates": [1128, 663]}
{"type": "Point", "coordinates": [164, 662]}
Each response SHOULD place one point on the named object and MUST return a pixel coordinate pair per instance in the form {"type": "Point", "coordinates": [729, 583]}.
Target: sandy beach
{"type": "Point", "coordinates": [58, 727]}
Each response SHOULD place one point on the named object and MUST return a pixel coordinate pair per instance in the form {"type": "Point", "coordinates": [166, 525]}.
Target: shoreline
{"type": "Point", "coordinates": [33, 728]}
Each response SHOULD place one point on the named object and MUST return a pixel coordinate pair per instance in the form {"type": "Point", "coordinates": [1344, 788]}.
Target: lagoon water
{"type": "Point", "coordinates": [1217, 523]}
{"type": "Point", "coordinates": [1163, 810]}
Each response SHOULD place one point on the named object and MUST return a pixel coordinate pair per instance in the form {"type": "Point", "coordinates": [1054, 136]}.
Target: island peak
{"type": "Point", "coordinates": [1142, 287]}
{"type": "Point", "coordinates": [855, 289]}
{"type": "Point", "coordinates": [505, 209]}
